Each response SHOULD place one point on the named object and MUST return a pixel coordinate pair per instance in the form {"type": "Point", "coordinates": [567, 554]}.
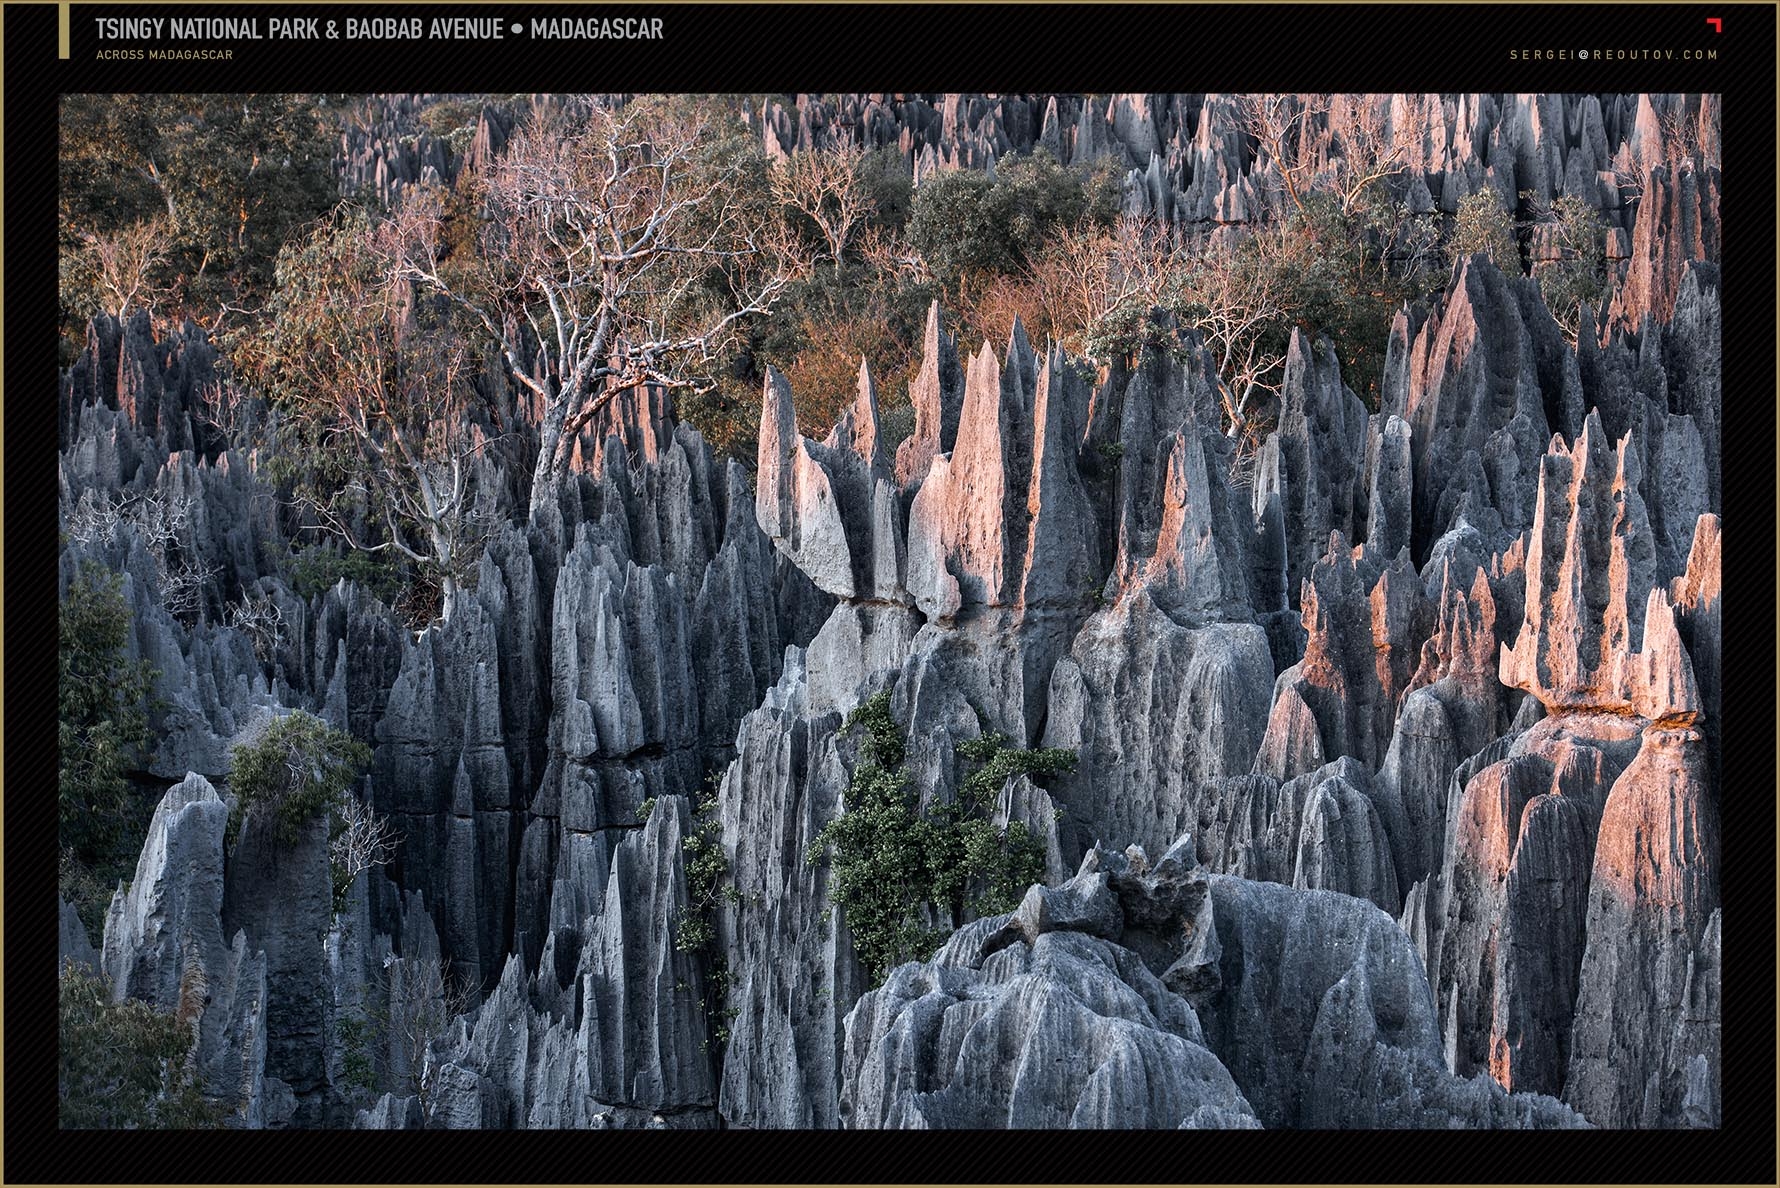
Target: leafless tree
{"type": "Point", "coordinates": [891, 258]}
{"type": "Point", "coordinates": [424, 999]}
{"type": "Point", "coordinates": [228, 408]}
{"type": "Point", "coordinates": [826, 186]}
{"type": "Point", "coordinates": [1088, 276]}
{"type": "Point", "coordinates": [260, 618]}
{"type": "Point", "coordinates": [160, 525]}
{"type": "Point", "coordinates": [1281, 124]}
{"type": "Point", "coordinates": [1369, 148]}
{"type": "Point", "coordinates": [1236, 309]}
{"type": "Point", "coordinates": [125, 261]}
{"type": "Point", "coordinates": [1084, 273]}
{"type": "Point", "coordinates": [1365, 148]}
{"type": "Point", "coordinates": [366, 839]}
{"type": "Point", "coordinates": [386, 397]}
{"type": "Point", "coordinates": [617, 251]}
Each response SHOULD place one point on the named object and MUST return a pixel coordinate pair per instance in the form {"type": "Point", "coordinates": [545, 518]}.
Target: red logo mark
{"type": "Point", "coordinates": [1717, 24]}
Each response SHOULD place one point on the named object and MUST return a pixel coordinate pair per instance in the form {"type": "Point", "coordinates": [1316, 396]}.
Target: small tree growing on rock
{"type": "Point", "coordinates": [122, 1066]}
{"type": "Point", "coordinates": [887, 858]}
{"type": "Point", "coordinates": [363, 839]}
{"type": "Point", "coordinates": [294, 769]}
{"type": "Point", "coordinates": [424, 998]}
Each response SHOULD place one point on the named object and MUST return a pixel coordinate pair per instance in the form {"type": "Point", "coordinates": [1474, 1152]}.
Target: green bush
{"type": "Point", "coordinates": [315, 569]}
{"type": "Point", "coordinates": [233, 175]}
{"type": "Point", "coordinates": [1483, 224]}
{"type": "Point", "coordinates": [706, 867]}
{"type": "Point", "coordinates": [1580, 278]}
{"type": "Point", "coordinates": [102, 720]}
{"type": "Point", "coordinates": [888, 859]}
{"type": "Point", "coordinates": [297, 768]}
{"type": "Point", "coordinates": [358, 1070]}
{"type": "Point", "coordinates": [964, 223]}
{"type": "Point", "coordinates": [122, 1066]}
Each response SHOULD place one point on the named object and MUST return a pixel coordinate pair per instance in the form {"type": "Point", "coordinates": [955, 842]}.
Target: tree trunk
{"type": "Point", "coordinates": [544, 472]}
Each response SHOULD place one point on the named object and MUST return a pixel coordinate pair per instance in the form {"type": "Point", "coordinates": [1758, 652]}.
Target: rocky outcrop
{"type": "Point", "coordinates": [1364, 622]}
{"type": "Point", "coordinates": [1186, 158]}
{"type": "Point", "coordinates": [937, 395]}
{"type": "Point", "coordinates": [280, 894]}
{"type": "Point", "coordinates": [1097, 1041]}
{"type": "Point", "coordinates": [174, 903]}
{"type": "Point", "coordinates": [1582, 644]}
{"type": "Point", "coordinates": [1182, 999]}
{"type": "Point", "coordinates": [1477, 409]}
{"type": "Point", "coordinates": [1312, 462]}
{"type": "Point", "coordinates": [164, 945]}
{"type": "Point", "coordinates": [610, 1031]}
{"type": "Point", "coordinates": [1678, 223]}
{"type": "Point", "coordinates": [73, 946]}
{"type": "Point", "coordinates": [793, 973]}
{"type": "Point", "coordinates": [1455, 662]}
{"type": "Point", "coordinates": [1645, 1047]}
{"type": "Point", "coordinates": [1324, 1018]}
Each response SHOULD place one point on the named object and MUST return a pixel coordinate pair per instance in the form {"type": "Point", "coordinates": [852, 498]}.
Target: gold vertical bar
{"type": "Point", "coordinates": [62, 29]}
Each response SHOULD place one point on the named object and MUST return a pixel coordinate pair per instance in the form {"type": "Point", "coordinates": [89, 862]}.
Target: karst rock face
{"type": "Point", "coordinates": [1423, 715]}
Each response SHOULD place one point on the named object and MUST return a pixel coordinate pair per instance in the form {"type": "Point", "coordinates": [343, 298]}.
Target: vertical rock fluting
{"type": "Point", "coordinates": [793, 975]}
{"type": "Point", "coordinates": [1323, 1018]}
{"type": "Point", "coordinates": [1477, 410]}
{"type": "Point", "coordinates": [279, 893]}
{"type": "Point", "coordinates": [1645, 1047]}
{"type": "Point", "coordinates": [1313, 461]}
{"type": "Point", "coordinates": [937, 395]}
{"type": "Point", "coordinates": [1436, 662]}
{"type": "Point", "coordinates": [1543, 865]}
{"type": "Point", "coordinates": [1164, 690]}
{"type": "Point", "coordinates": [611, 1031]}
{"type": "Point", "coordinates": [164, 945]}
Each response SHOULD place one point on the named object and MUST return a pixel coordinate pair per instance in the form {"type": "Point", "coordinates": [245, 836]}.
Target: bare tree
{"type": "Point", "coordinates": [260, 618]}
{"type": "Point", "coordinates": [892, 258]}
{"type": "Point", "coordinates": [1241, 307]}
{"type": "Point", "coordinates": [365, 840]}
{"type": "Point", "coordinates": [1281, 124]}
{"type": "Point", "coordinates": [379, 396]}
{"type": "Point", "coordinates": [1096, 283]}
{"type": "Point", "coordinates": [617, 252]}
{"type": "Point", "coordinates": [1364, 147]}
{"type": "Point", "coordinates": [1079, 281]}
{"type": "Point", "coordinates": [160, 524]}
{"type": "Point", "coordinates": [229, 409]}
{"type": "Point", "coordinates": [125, 261]}
{"type": "Point", "coordinates": [827, 187]}
{"type": "Point", "coordinates": [424, 999]}
{"type": "Point", "coordinates": [1369, 148]}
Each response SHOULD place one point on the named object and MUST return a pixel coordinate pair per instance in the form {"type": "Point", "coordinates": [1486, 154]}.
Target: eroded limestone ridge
{"type": "Point", "coordinates": [1425, 720]}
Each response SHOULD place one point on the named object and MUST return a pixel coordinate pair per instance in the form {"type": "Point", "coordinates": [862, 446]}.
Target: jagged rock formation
{"type": "Point", "coordinates": [1323, 1017]}
{"type": "Point", "coordinates": [1188, 157]}
{"type": "Point", "coordinates": [1097, 1034]}
{"type": "Point", "coordinates": [1426, 721]}
{"type": "Point", "coordinates": [1180, 999]}
{"type": "Point", "coordinates": [164, 944]}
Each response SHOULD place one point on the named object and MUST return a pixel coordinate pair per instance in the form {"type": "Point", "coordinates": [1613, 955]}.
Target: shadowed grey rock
{"type": "Point", "coordinates": [164, 946]}
{"type": "Point", "coordinates": [1065, 1031]}
{"type": "Point", "coordinates": [72, 942]}
{"type": "Point", "coordinates": [1324, 1019]}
